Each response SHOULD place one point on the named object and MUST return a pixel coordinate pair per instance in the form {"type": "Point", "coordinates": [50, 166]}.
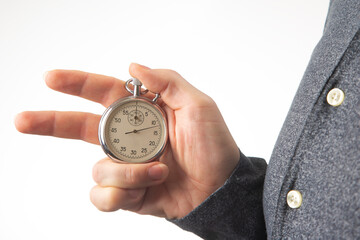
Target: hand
{"type": "Point", "coordinates": [199, 158]}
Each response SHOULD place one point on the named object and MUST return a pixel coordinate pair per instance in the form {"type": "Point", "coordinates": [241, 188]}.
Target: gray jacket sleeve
{"type": "Point", "coordinates": [235, 210]}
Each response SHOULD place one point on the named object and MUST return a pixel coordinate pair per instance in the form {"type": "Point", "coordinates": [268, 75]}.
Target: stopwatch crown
{"type": "Point", "coordinates": [136, 82]}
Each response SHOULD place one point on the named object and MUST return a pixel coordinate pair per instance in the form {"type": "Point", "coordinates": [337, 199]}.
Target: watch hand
{"type": "Point", "coordinates": [136, 117]}
{"type": "Point", "coordinates": [135, 131]}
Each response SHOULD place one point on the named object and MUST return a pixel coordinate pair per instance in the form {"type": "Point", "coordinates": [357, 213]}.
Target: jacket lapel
{"type": "Point", "coordinates": [342, 23]}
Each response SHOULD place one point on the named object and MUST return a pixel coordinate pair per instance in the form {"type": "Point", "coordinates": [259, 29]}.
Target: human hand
{"type": "Point", "coordinates": [200, 156]}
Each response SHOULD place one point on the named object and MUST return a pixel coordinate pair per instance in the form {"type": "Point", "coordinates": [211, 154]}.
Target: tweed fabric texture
{"type": "Point", "coordinates": [326, 167]}
{"type": "Point", "coordinates": [342, 23]}
{"type": "Point", "coordinates": [227, 213]}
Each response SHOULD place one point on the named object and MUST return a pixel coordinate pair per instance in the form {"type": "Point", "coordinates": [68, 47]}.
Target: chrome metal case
{"type": "Point", "coordinates": [102, 133]}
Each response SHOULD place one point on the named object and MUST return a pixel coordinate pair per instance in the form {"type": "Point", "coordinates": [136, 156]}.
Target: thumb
{"type": "Point", "coordinates": [175, 91]}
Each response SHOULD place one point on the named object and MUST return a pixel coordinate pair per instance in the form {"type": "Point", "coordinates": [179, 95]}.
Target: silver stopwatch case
{"type": "Point", "coordinates": [134, 129]}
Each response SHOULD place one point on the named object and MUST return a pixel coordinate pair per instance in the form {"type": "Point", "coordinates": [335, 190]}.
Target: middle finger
{"type": "Point", "coordinates": [108, 173]}
{"type": "Point", "coordinates": [94, 87]}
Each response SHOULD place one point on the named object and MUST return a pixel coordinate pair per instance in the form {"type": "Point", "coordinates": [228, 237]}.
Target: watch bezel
{"type": "Point", "coordinates": [104, 119]}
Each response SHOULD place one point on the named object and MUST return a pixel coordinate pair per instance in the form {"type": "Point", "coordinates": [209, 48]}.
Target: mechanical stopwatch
{"type": "Point", "coordinates": [134, 129]}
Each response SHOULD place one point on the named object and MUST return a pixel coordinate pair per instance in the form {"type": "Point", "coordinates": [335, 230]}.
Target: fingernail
{"type": "Point", "coordinates": [156, 172]}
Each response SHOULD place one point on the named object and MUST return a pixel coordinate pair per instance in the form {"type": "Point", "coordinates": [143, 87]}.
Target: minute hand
{"type": "Point", "coordinates": [135, 131]}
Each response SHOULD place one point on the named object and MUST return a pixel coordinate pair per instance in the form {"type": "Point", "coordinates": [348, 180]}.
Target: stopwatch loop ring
{"type": "Point", "coordinates": [156, 97]}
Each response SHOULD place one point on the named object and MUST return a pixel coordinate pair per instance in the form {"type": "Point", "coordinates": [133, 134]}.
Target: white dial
{"type": "Point", "coordinates": [133, 130]}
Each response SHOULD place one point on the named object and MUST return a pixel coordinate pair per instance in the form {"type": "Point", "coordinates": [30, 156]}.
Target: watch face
{"type": "Point", "coordinates": [133, 130]}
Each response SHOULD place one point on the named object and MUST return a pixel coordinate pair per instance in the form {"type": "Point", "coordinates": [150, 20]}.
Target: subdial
{"type": "Point", "coordinates": [136, 118]}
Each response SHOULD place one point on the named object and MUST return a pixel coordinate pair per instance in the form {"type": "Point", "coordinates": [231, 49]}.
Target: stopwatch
{"type": "Point", "coordinates": [134, 129]}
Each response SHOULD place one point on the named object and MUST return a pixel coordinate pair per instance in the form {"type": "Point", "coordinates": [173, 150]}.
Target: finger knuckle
{"type": "Point", "coordinates": [169, 72]}
{"type": "Point", "coordinates": [130, 176]}
{"type": "Point", "coordinates": [204, 100]}
{"type": "Point", "coordinates": [173, 72]}
{"type": "Point", "coordinates": [135, 199]}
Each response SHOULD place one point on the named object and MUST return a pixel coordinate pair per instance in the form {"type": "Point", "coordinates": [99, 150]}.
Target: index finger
{"type": "Point", "coordinates": [94, 87]}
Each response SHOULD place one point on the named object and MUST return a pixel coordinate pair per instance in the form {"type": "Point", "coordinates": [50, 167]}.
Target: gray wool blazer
{"type": "Point", "coordinates": [317, 154]}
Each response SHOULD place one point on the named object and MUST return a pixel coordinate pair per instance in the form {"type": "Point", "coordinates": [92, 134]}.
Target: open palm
{"type": "Point", "coordinates": [199, 158]}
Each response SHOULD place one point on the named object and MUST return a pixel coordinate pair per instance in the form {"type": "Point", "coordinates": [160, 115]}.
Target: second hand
{"type": "Point", "coordinates": [135, 131]}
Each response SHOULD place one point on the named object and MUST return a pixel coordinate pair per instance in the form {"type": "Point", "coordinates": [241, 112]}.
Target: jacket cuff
{"type": "Point", "coordinates": [235, 210]}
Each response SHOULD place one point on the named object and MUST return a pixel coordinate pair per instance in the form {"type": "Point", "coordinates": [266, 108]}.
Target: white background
{"type": "Point", "coordinates": [248, 55]}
